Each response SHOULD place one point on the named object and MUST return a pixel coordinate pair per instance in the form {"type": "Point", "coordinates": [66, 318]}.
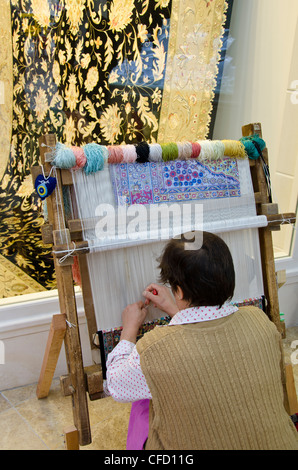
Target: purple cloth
{"type": "Point", "coordinates": [138, 426]}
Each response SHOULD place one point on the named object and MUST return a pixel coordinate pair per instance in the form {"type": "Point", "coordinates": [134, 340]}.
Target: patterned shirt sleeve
{"type": "Point", "coordinates": [125, 380]}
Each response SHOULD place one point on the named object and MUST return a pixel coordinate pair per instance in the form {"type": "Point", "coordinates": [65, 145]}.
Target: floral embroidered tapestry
{"type": "Point", "coordinates": [105, 71]}
{"type": "Point", "coordinates": [176, 181]}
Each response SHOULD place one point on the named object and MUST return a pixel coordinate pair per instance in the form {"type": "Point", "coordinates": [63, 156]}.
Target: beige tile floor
{"type": "Point", "coordinates": [27, 423]}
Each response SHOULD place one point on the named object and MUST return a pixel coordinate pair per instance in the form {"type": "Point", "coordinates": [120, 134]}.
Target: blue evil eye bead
{"type": "Point", "coordinates": [42, 190]}
{"type": "Point", "coordinates": [45, 186]}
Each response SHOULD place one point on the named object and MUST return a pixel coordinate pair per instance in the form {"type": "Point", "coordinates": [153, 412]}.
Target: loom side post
{"type": "Point", "coordinates": [67, 304]}
{"type": "Point", "coordinates": [74, 358]}
{"type": "Point", "coordinates": [270, 278]}
{"type": "Point", "coordinates": [265, 236]}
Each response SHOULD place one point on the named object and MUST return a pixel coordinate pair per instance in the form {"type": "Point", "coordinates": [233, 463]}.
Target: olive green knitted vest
{"type": "Point", "coordinates": [217, 385]}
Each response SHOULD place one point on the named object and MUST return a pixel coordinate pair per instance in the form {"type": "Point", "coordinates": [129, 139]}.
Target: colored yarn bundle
{"type": "Point", "coordinates": [169, 151]}
{"type": "Point", "coordinates": [115, 153]}
{"type": "Point", "coordinates": [92, 157]}
{"type": "Point", "coordinates": [142, 150]}
{"type": "Point", "coordinates": [184, 150]}
{"type": "Point", "coordinates": [254, 146]}
{"type": "Point", "coordinates": [80, 157]}
{"type": "Point", "coordinates": [218, 149]}
{"type": "Point", "coordinates": [95, 155]}
{"type": "Point", "coordinates": [234, 148]}
{"type": "Point", "coordinates": [155, 153]}
{"type": "Point", "coordinates": [76, 274]}
{"type": "Point", "coordinates": [129, 153]}
{"type": "Point", "coordinates": [207, 150]}
{"type": "Point", "coordinates": [63, 156]}
{"type": "Point", "coordinates": [196, 150]}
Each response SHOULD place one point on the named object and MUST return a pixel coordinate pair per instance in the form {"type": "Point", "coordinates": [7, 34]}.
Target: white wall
{"type": "Point", "coordinates": [288, 294]}
{"type": "Point", "coordinates": [260, 68]}
{"type": "Point", "coordinates": [24, 330]}
{"type": "Point", "coordinates": [259, 59]}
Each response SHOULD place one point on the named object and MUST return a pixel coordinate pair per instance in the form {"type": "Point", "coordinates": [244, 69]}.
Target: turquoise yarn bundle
{"type": "Point", "coordinates": [63, 157]}
{"type": "Point", "coordinates": [96, 155]}
{"type": "Point", "coordinates": [254, 146]}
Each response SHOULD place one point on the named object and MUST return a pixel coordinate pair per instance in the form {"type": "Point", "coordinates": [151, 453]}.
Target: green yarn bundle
{"type": "Point", "coordinates": [169, 151]}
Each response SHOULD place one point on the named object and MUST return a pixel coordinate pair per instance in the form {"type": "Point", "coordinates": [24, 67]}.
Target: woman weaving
{"type": "Point", "coordinates": [212, 377]}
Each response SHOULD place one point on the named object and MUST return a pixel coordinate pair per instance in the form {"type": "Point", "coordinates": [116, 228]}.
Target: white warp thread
{"type": "Point", "coordinates": [120, 269]}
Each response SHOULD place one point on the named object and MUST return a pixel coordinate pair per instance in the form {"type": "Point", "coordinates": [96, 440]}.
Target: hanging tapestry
{"type": "Point", "coordinates": [192, 67]}
{"type": "Point", "coordinates": [176, 181]}
{"type": "Point", "coordinates": [103, 71]}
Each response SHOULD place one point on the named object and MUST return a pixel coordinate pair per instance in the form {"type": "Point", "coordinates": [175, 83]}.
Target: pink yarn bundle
{"type": "Point", "coordinates": [129, 153]}
{"type": "Point", "coordinates": [81, 158]}
{"type": "Point", "coordinates": [115, 154]}
{"type": "Point", "coordinates": [196, 149]}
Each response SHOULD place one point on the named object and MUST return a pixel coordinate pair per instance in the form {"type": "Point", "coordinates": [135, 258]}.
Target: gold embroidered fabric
{"type": "Point", "coordinates": [192, 66]}
{"type": "Point", "coordinates": [5, 84]}
{"type": "Point", "coordinates": [105, 71]}
{"type": "Point", "coordinates": [14, 281]}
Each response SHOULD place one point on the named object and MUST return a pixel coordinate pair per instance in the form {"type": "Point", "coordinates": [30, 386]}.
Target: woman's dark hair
{"type": "Point", "coordinates": [205, 275]}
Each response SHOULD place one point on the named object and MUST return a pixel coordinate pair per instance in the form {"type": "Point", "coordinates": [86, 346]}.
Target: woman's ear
{"type": "Point", "coordinates": [179, 293]}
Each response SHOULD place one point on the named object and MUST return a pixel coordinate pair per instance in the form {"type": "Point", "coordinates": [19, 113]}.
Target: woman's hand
{"type": "Point", "coordinates": [133, 317]}
{"type": "Point", "coordinates": [162, 298]}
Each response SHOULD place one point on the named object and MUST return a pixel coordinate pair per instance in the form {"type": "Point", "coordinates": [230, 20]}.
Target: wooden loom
{"type": "Point", "coordinates": [81, 380]}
